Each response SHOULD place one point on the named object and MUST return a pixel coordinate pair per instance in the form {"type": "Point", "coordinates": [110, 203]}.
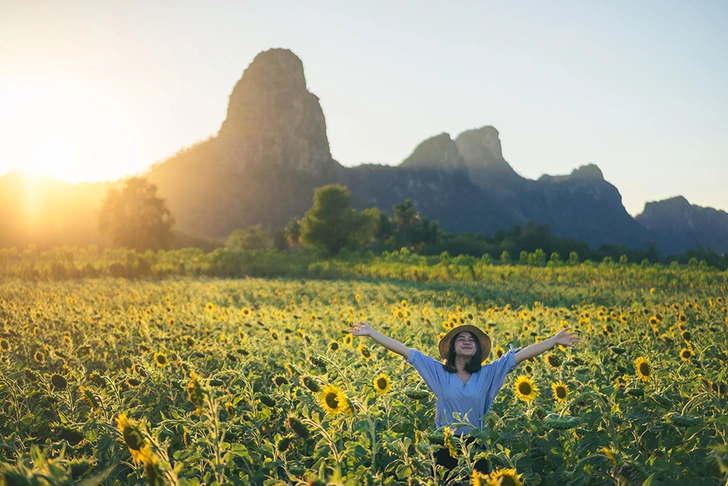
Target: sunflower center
{"type": "Point", "coordinates": [382, 383]}
{"type": "Point", "coordinates": [506, 481]}
{"type": "Point", "coordinates": [365, 352]}
{"type": "Point", "coordinates": [524, 388]}
{"type": "Point", "coordinates": [561, 392]}
{"type": "Point", "coordinates": [332, 400]}
{"type": "Point", "coordinates": [644, 369]}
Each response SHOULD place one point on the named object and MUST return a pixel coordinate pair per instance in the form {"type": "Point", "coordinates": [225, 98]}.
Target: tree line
{"type": "Point", "coordinates": [136, 218]}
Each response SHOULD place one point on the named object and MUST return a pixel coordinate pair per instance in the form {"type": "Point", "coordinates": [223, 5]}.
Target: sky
{"type": "Point", "coordinates": [100, 90]}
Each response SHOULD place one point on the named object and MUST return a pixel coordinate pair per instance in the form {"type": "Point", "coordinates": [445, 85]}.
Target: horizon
{"type": "Point", "coordinates": [648, 106]}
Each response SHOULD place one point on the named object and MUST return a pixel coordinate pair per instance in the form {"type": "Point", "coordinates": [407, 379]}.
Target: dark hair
{"type": "Point", "coordinates": [471, 366]}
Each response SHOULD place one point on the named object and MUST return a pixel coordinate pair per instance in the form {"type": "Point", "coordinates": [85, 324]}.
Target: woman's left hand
{"type": "Point", "coordinates": [567, 338]}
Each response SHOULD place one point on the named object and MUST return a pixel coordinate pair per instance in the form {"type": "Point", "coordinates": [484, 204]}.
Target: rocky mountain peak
{"type": "Point", "coordinates": [438, 152]}
{"type": "Point", "coordinates": [589, 171]}
{"type": "Point", "coordinates": [486, 138]}
{"type": "Point", "coordinates": [273, 120]}
{"type": "Point", "coordinates": [483, 155]}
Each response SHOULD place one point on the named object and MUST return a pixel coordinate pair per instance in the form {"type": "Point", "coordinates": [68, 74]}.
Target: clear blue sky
{"type": "Point", "coordinates": [94, 90]}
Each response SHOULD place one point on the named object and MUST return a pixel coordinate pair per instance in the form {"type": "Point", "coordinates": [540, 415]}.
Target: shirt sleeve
{"type": "Point", "coordinates": [497, 371]}
{"type": "Point", "coordinates": [429, 369]}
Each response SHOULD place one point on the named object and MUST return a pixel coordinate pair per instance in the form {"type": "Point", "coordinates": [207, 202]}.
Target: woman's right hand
{"type": "Point", "coordinates": [361, 329]}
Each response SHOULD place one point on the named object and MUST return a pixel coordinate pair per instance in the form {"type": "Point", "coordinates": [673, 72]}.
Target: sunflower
{"type": "Point", "coordinates": [447, 442]}
{"type": "Point", "coordinates": [310, 383]}
{"type": "Point", "coordinates": [686, 354]}
{"type": "Point", "coordinates": [561, 392]}
{"type": "Point", "coordinates": [58, 382]}
{"type": "Point", "coordinates": [348, 340]}
{"type": "Point", "coordinates": [245, 312]}
{"type": "Point", "coordinates": [90, 398]}
{"type": "Point", "coordinates": [38, 357]}
{"type": "Point", "coordinates": [210, 307]}
{"type": "Point", "coordinates": [475, 478]}
{"type": "Point", "coordinates": [333, 345]}
{"type": "Point", "coordinates": [382, 384]}
{"type": "Point", "coordinates": [364, 352]}
{"type": "Point", "coordinates": [195, 392]}
{"type": "Point", "coordinates": [297, 427]}
{"type": "Point", "coordinates": [553, 361]}
{"type": "Point", "coordinates": [506, 477]}
{"type": "Point", "coordinates": [161, 359]}
{"type": "Point", "coordinates": [333, 400]}
{"type": "Point", "coordinates": [525, 388]}
{"type": "Point", "coordinates": [499, 351]}
{"type": "Point", "coordinates": [4, 345]}
{"type": "Point", "coordinates": [280, 380]}
{"type": "Point", "coordinates": [132, 436]}
{"type": "Point", "coordinates": [643, 367]}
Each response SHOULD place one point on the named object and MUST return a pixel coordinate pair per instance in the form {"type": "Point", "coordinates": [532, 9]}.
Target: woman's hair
{"type": "Point", "coordinates": [473, 365]}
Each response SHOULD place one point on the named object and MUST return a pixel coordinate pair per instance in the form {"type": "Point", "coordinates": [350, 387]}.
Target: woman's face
{"type": "Point", "coordinates": [465, 344]}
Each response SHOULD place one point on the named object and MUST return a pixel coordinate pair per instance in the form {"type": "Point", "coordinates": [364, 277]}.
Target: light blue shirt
{"type": "Point", "coordinates": [473, 397]}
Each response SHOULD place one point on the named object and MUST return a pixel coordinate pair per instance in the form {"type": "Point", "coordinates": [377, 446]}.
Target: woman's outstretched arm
{"type": "Point", "coordinates": [364, 329]}
{"type": "Point", "coordinates": [564, 337]}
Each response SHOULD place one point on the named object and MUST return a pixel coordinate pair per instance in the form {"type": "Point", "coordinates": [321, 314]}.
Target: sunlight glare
{"type": "Point", "coordinates": [63, 129]}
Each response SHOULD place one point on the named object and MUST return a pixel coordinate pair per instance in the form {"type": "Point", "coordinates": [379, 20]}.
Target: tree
{"type": "Point", "coordinates": [293, 232]}
{"type": "Point", "coordinates": [135, 217]}
{"type": "Point", "coordinates": [331, 224]}
{"type": "Point", "coordinates": [405, 217]}
{"type": "Point", "coordinates": [253, 238]}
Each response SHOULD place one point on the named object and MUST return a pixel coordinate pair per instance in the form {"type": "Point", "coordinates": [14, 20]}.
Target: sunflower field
{"type": "Point", "coordinates": [199, 380]}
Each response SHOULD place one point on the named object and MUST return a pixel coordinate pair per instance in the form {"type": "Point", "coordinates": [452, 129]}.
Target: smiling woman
{"type": "Point", "coordinates": [63, 129]}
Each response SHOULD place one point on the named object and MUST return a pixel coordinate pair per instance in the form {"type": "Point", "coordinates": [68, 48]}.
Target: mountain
{"type": "Point", "coordinates": [435, 178]}
{"type": "Point", "coordinates": [265, 162]}
{"type": "Point", "coordinates": [679, 226]}
{"type": "Point", "coordinates": [581, 206]}
{"type": "Point", "coordinates": [272, 152]}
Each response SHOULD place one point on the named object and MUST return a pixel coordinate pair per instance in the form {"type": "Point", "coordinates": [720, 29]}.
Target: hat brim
{"type": "Point", "coordinates": [444, 345]}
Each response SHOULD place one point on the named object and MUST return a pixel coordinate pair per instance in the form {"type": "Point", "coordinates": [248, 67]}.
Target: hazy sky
{"type": "Point", "coordinates": [95, 90]}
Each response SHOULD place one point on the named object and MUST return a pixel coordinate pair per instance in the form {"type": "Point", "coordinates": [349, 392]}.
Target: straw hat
{"type": "Point", "coordinates": [444, 345]}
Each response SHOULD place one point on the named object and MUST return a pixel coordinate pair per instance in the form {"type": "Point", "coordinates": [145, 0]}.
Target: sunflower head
{"type": "Point", "coordinates": [132, 435]}
{"type": "Point", "coordinates": [561, 392]}
{"type": "Point", "coordinates": [58, 382]}
{"type": "Point", "coordinates": [553, 361]}
{"type": "Point", "coordinates": [310, 383]}
{"type": "Point", "coordinates": [4, 345]}
{"type": "Point", "coordinates": [526, 390]}
{"type": "Point", "coordinates": [643, 368]}
{"type": "Point", "coordinates": [297, 427]}
{"type": "Point", "coordinates": [505, 477]}
{"type": "Point", "coordinates": [499, 351]}
{"type": "Point", "coordinates": [161, 359]}
{"type": "Point", "coordinates": [195, 391]}
{"type": "Point", "coordinates": [686, 354]}
{"type": "Point", "coordinates": [348, 340]}
{"type": "Point", "coordinates": [364, 352]}
{"type": "Point", "coordinates": [382, 384]}
{"type": "Point", "coordinates": [333, 400]}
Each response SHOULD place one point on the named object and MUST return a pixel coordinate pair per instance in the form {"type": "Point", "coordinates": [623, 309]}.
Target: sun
{"type": "Point", "coordinates": [64, 128]}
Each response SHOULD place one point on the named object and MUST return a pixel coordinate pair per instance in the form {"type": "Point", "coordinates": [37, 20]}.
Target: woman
{"type": "Point", "coordinates": [462, 386]}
